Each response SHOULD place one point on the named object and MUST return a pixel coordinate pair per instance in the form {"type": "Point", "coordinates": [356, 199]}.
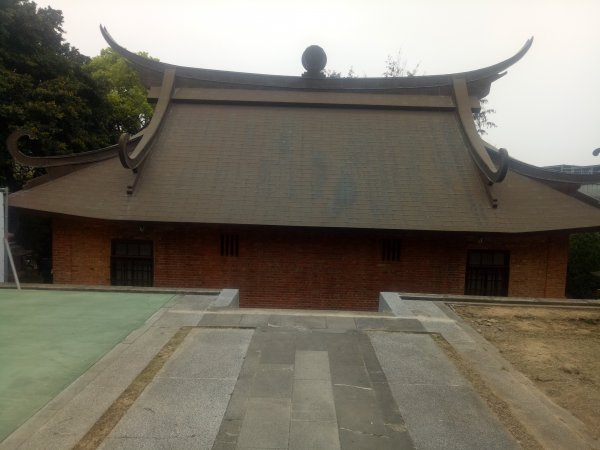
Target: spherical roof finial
{"type": "Point", "coordinates": [314, 60]}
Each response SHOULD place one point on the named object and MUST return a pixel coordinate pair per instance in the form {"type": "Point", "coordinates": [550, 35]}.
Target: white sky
{"type": "Point", "coordinates": [548, 105]}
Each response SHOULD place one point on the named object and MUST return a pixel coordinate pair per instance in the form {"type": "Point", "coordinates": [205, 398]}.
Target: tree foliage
{"type": "Point", "coordinates": [71, 103]}
{"type": "Point", "coordinates": [584, 261]}
{"type": "Point", "coordinates": [396, 66]}
{"type": "Point", "coordinates": [335, 74]}
{"type": "Point", "coordinates": [482, 121]}
{"type": "Point", "coordinates": [44, 87]}
{"type": "Point", "coordinates": [129, 108]}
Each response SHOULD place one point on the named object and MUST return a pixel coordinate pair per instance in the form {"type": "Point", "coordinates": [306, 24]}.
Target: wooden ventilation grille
{"type": "Point", "coordinates": [230, 244]}
{"type": "Point", "coordinates": [390, 250]}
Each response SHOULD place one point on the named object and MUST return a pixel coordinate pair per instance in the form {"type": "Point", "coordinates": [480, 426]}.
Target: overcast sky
{"type": "Point", "coordinates": [548, 105]}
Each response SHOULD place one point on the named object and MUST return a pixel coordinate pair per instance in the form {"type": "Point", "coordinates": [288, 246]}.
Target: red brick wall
{"type": "Point", "coordinates": [538, 263]}
{"type": "Point", "coordinates": [305, 268]}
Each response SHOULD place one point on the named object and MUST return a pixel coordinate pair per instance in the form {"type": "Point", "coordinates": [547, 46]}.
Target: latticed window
{"type": "Point", "coordinates": [230, 244]}
{"type": "Point", "coordinates": [487, 273]}
{"type": "Point", "coordinates": [390, 250]}
{"type": "Point", "coordinates": [132, 263]}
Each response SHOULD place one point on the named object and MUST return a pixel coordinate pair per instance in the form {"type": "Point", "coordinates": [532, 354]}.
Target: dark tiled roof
{"type": "Point", "coordinates": [311, 166]}
{"type": "Point", "coordinates": [235, 148]}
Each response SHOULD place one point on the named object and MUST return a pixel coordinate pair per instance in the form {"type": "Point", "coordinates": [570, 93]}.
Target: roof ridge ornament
{"type": "Point", "coordinates": [314, 60]}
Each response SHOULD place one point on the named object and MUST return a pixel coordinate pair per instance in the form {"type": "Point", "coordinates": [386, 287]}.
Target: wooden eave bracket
{"type": "Point", "coordinates": [490, 172]}
{"type": "Point", "coordinates": [133, 159]}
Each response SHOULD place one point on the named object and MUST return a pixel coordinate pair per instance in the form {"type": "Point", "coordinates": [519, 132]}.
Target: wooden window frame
{"type": "Point", "coordinates": [487, 273]}
{"type": "Point", "coordinates": [131, 267]}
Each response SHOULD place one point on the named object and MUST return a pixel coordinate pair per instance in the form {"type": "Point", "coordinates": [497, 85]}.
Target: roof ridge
{"type": "Point", "coordinates": [479, 80]}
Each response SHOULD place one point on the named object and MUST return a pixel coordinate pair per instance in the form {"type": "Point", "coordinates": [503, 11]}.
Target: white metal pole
{"type": "Point", "coordinates": [4, 245]}
{"type": "Point", "coordinates": [3, 234]}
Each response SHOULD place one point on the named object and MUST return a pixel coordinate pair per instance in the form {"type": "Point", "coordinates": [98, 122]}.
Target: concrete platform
{"type": "Point", "coordinates": [268, 379]}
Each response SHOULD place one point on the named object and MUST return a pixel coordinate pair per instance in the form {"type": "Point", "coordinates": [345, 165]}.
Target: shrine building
{"type": "Point", "coordinates": [309, 192]}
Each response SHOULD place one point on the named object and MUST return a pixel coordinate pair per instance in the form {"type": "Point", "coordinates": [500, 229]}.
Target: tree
{"type": "Point", "coordinates": [395, 66]}
{"type": "Point", "coordinates": [120, 84]}
{"type": "Point", "coordinates": [482, 122]}
{"type": "Point", "coordinates": [44, 88]}
{"type": "Point", "coordinates": [71, 103]}
{"type": "Point", "coordinates": [584, 260]}
{"type": "Point", "coordinates": [335, 74]}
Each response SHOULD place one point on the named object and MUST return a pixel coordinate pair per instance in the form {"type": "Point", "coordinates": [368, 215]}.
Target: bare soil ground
{"type": "Point", "coordinates": [557, 348]}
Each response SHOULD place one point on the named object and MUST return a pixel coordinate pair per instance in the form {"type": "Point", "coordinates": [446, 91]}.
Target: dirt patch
{"type": "Point", "coordinates": [557, 348]}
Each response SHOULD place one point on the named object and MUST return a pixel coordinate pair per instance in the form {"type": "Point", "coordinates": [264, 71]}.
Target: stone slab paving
{"type": "Point", "coordinates": [552, 426]}
{"type": "Point", "coordinates": [187, 399]}
{"type": "Point", "coordinates": [441, 410]}
{"type": "Point", "coordinates": [272, 380]}
{"type": "Point", "coordinates": [311, 388]}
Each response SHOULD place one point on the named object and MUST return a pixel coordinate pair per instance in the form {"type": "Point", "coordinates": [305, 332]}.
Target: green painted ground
{"type": "Point", "coordinates": [49, 338]}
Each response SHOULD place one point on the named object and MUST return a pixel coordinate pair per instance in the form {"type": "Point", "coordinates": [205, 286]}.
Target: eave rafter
{"type": "Point", "coordinates": [490, 172]}
{"type": "Point", "coordinates": [134, 158]}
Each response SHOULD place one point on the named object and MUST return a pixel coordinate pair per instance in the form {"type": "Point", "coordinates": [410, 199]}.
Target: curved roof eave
{"type": "Point", "coordinates": [479, 80]}
{"type": "Point", "coordinates": [72, 159]}
{"type": "Point", "coordinates": [542, 174]}
{"type": "Point", "coordinates": [550, 175]}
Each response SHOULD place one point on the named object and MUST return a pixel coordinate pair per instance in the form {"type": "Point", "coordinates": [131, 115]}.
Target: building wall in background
{"type": "Point", "coordinates": [305, 268]}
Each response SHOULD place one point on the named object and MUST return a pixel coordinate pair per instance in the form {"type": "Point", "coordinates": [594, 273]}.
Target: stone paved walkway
{"type": "Point", "coordinates": [258, 379]}
{"type": "Point", "coordinates": [305, 382]}
{"type": "Point", "coordinates": [311, 389]}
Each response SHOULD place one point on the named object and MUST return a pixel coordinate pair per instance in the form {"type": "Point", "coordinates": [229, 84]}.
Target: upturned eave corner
{"type": "Point", "coordinates": [59, 165]}
{"type": "Point", "coordinates": [150, 71]}
{"type": "Point", "coordinates": [72, 159]}
{"type": "Point", "coordinates": [479, 81]}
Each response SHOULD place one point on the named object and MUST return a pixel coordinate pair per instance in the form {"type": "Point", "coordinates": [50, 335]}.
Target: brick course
{"type": "Point", "coordinates": [306, 268]}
